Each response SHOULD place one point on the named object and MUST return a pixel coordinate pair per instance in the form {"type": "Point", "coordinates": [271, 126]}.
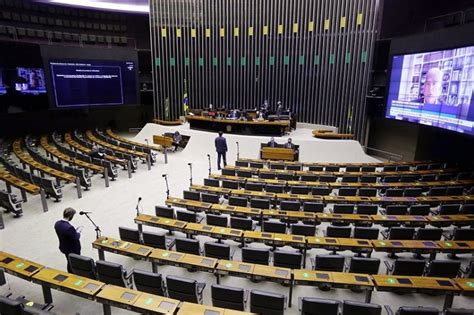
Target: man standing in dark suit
{"type": "Point", "coordinates": [221, 149]}
{"type": "Point", "coordinates": [68, 235]}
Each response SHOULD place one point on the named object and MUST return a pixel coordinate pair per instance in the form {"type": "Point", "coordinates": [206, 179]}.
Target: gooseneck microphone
{"type": "Point", "coordinates": [84, 212]}
{"type": "Point", "coordinates": [138, 205]}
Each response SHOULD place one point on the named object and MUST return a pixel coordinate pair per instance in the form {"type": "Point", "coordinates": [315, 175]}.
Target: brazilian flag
{"type": "Point", "coordinates": [185, 100]}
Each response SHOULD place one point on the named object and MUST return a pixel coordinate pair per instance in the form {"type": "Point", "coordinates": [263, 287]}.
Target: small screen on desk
{"type": "Point", "coordinates": [31, 268]}
{"type": "Point", "coordinates": [444, 283]}
{"type": "Point", "coordinates": [7, 260]}
{"type": "Point", "coordinates": [282, 273]}
{"type": "Point", "coordinates": [128, 296]}
{"type": "Point", "coordinates": [175, 256]}
{"type": "Point", "coordinates": [166, 305]}
{"type": "Point", "coordinates": [397, 243]}
{"type": "Point", "coordinates": [429, 244]}
{"type": "Point", "coordinates": [234, 232]}
{"type": "Point", "coordinates": [91, 286]}
{"type": "Point", "coordinates": [210, 312]}
{"type": "Point", "coordinates": [363, 242]}
{"type": "Point", "coordinates": [330, 240]}
{"type": "Point", "coordinates": [206, 262]}
{"type": "Point", "coordinates": [207, 228]}
{"type": "Point", "coordinates": [60, 278]}
{"type": "Point", "coordinates": [461, 244]}
{"type": "Point", "coordinates": [266, 235]}
{"type": "Point", "coordinates": [322, 276]}
{"type": "Point", "coordinates": [361, 279]}
{"type": "Point", "coordinates": [244, 268]}
{"type": "Point", "coordinates": [404, 281]}
{"type": "Point", "coordinates": [142, 250]}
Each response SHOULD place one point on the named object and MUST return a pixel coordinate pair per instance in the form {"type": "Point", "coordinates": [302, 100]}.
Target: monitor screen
{"type": "Point", "coordinates": [434, 88]}
{"type": "Point", "coordinates": [78, 83]}
{"type": "Point", "coordinates": [3, 89]}
{"type": "Point", "coordinates": [30, 81]}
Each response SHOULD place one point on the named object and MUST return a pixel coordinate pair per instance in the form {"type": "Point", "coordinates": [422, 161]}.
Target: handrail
{"type": "Point", "coordinates": [390, 156]}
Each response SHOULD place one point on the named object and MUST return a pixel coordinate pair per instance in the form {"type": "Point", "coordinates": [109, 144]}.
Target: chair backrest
{"type": "Point", "coordinates": [391, 179]}
{"type": "Point", "coordinates": [327, 178]}
{"type": "Point", "coordinates": [366, 233]}
{"type": "Point", "coordinates": [238, 201]}
{"type": "Point", "coordinates": [367, 169]}
{"type": "Point", "coordinates": [329, 263]}
{"type": "Point", "coordinates": [267, 175]}
{"type": "Point", "coordinates": [254, 186]}
{"type": "Point", "coordinates": [389, 168]}
{"type": "Point", "coordinates": [346, 208]}
{"type": "Point", "coordinates": [217, 250]}
{"type": "Point", "coordinates": [255, 255]}
{"type": "Point", "coordinates": [211, 182]}
{"type": "Point", "coordinates": [309, 178]}
{"type": "Point", "coordinates": [437, 191]}
{"type": "Point", "coordinates": [464, 234]}
{"type": "Point", "coordinates": [293, 167]}
{"type": "Point", "coordinates": [364, 265]}
{"type": "Point", "coordinates": [367, 192]}
{"type": "Point", "coordinates": [409, 310]}
{"type": "Point", "coordinates": [429, 234]}
{"type": "Point", "coordinates": [277, 166]}
{"type": "Point", "coordinates": [347, 191]}
{"type": "Point", "coordinates": [331, 168]}
{"type": "Point", "coordinates": [149, 282]}
{"type": "Point", "coordinates": [274, 227]}
{"type": "Point", "coordinates": [110, 273]}
{"type": "Point", "coordinates": [290, 205]}
{"type": "Point", "coordinates": [315, 306]}
{"type": "Point", "coordinates": [260, 203]}
{"type": "Point", "coordinates": [82, 266]}
{"type": "Point", "coordinates": [129, 235]}
{"type": "Point", "coordinates": [256, 165]}
{"type": "Point", "coordinates": [278, 189]}
{"type": "Point", "coordinates": [419, 210]}
{"type": "Point", "coordinates": [421, 167]}
{"type": "Point", "coordinates": [309, 206]}
{"type": "Point", "coordinates": [458, 311]}
{"type": "Point", "coordinates": [394, 192]}
{"type": "Point", "coordinates": [349, 179]}
{"type": "Point", "coordinates": [192, 195]}
{"type": "Point", "coordinates": [182, 289]}
{"type": "Point", "coordinates": [303, 229]}
{"type": "Point", "coordinates": [287, 259]}
{"type": "Point", "coordinates": [283, 176]}
{"type": "Point", "coordinates": [211, 198]}
{"type": "Point", "coordinates": [228, 172]}
{"type": "Point", "coordinates": [189, 246]}
{"type": "Point", "coordinates": [166, 212]}
{"type": "Point", "coordinates": [321, 191]}
{"type": "Point", "coordinates": [409, 267]}
{"type": "Point", "coordinates": [358, 308]}
{"type": "Point", "coordinates": [353, 169]}
{"type": "Point", "coordinates": [367, 209]}
{"type": "Point", "coordinates": [396, 209]}
{"type": "Point", "coordinates": [428, 178]}
{"type": "Point", "coordinates": [242, 163]}
{"type": "Point", "coordinates": [300, 190]}
{"type": "Point", "coordinates": [230, 184]}
{"type": "Point", "coordinates": [338, 231]}
{"type": "Point", "coordinates": [10, 307]}
{"type": "Point", "coordinates": [186, 216]}
{"type": "Point", "coordinates": [408, 178]}
{"type": "Point", "coordinates": [368, 179]}
{"type": "Point", "coordinates": [448, 209]}
{"type": "Point", "coordinates": [401, 233]}
{"type": "Point", "coordinates": [241, 223]}
{"type": "Point", "coordinates": [412, 192]}
{"type": "Point", "coordinates": [403, 168]}
{"type": "Point", "coordinates": [467, 208]}
{"type": "Point", "coordinates": [315, 168]}
{"type": "Point", "coordinates": [154, 240]}
{"type": "Point", "coordinates": [228, 297]}
{"type": "Point", "coordinates": [443, 268]}
{"type": "Point", "coordinates": [216, 219]}
{"type": "Point", "coordinates": [267, 303]}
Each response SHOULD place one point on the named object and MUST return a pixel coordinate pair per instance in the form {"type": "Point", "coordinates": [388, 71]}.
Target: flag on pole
{"type": "Point", "coordinates": [167, 109]}
{"type": "Point", "coordinates": [185, 99]}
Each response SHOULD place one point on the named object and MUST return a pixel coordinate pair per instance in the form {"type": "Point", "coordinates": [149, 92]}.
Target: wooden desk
{"type": "Point", "coordinates": [340, 244]}
{"type": "Point", "coordinates": [233, 210]}
{"type": "Point", "coordinates": [110, 133]}
{"type": "Point", "coordinates": [164, 142]}
{"type": "Point", "coordinates": [411, 246]}
{"type": "Point", "coordinates": [50, 278]}
{"type": "Point", "coordinates": [120, 247]}
{"type": "Point", "coordinates": [164, 223]}
{"type": "Point", "coordinates": [301, 198]}
{"type": "Point", "coordinates": [458, 247]}
{"type": "Point", "coordinates": [347, 199]}
{"type": "Point", "coordinates": [211, 189]}
{"type": "Point", "coordinates": [346, 218]}
{"type": "Point", "coordinates": [403, 219]}
{"type": "Point", "coordinates": [188, 204]}
{"type": "Point", "coordinates": [197, 309]}
{"type": "Point", "coordinates": [285, 154]}
{"type": "Point", "coordinates": [252, 194]}
{"type": "Point", "coordinates": [18, 266]}
{"type": "Point", "coordinates": [290, 215]}
{"type": "Point", "coordinates": [93, 138]}
{"type": "Point", "coordinates": [329, 134]}
{"type": "Point", "coordinates": [454, 218]}
{"type": "Point", "coordinates": [466, 284]}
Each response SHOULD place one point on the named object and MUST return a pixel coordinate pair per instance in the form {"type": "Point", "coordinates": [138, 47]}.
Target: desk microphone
{"type": "Point", "coordinates": [84, 212]}
{"type": "Point", "coordinates": [164, 175]}
{"type": "Point", "coordinates": [139, 199]}
{"type": "Point", "coordinates": [208, 155]}
{"type": "Point", "coordinates": [189, 164]}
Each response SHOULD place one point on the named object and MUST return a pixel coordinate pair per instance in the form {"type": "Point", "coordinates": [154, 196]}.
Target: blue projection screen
{"type": "Point", "coordinates": [79, 83]}
{"type": "Point", "coordinates": [434, 88]}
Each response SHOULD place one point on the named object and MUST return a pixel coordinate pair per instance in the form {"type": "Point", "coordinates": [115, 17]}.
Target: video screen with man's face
{"type": "Point", "coordinates": [434, 88]}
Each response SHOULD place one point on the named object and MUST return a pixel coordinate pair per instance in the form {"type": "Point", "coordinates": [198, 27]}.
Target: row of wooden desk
{"type": "Point", "coordinates": [337, 185]}
{"type": "Point", "coordinates": [291, 277]}
{"type": "Point", "coordinates": [108, 295]}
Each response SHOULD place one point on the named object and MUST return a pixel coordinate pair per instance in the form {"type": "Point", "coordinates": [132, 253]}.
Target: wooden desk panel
{"type": "Point", "coordinates": [272, 273]}
{"type": "Point", "coordinates": [415, 284]}
{"type": "Point", "coordinates": [122, 247]}
{"type": "Point", "coordinates": [167, 257]}
{"type": "Point", "coordinates": [257, 236]}
{"type": "Point", "coordinates": [251, 194]}
{"type": "Point", "coordinates": [237, 268]}
{"type": "Point", "coordinates": [406, 219]}
{"type": "Point", "coordinates": [18, 182]}
{"type": "Point", "coordinates": [109, 132]}
{"type": "Point", "coordinates": [284, 154]}
{"type": "Point", "coordinates": [351, 218]}
{"type": "Point", "coordinates": [196, 309]}
{"type": "Point", "coordinates": [227, 233]}
{"type": "Point", "coordinates": [156, 304]}
{"type": "Point", "coordinates": [93, 138]}
{"type": "Point", "coordinates": [466, 284]}
{"type": "Point", "coordinates": [469, 218]}
{"type": "Point", "coordinates": [188, 204]}
{"type": "Point", "coordinates": [165, 223]}
{"type": "Point", "coordinates": [114, 295]}
{"type": "Point", "coordinates": [225, 208]}
{"type": "Point", "coordinates": [311, 277]}
{"type": "Point", "coordinates": [283, 214]}
{"type": "Point", "coordinates": [301, 198]}
{"type": "Point", "coordinates": [406, 246]}
{"type": "Point", "coordinates": [199, 262]}
{"type": "Point", "coordinates": [211, 189]}
{"type": "Point", "coordinates": [18, 266]}
{"type": "Point", "coordinates": [456, 246]}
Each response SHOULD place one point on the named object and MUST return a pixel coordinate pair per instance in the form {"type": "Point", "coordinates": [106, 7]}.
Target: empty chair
{"type": "Point", "coordinates": [290, 205]}
{"type": "Point", "coordinates": [211, 198]}
{"type": "Point", "coordinates": [321, 191]}
{"type": "Point", "coordinates": [445, 177]}
{"type": "Point", "coordinates": [309, 178]}
{"type": "Point", "coordinates": [331, 168]}
{"type": "Point", "coordinates": [211, 182]}
{"type": "Point", "coordinates": [389, 168]}
{"type": "Point", "coordinates": [412, 192]}
{"type": "Point", "coordinates": [228, 172]}
{"type": "Point", "coordinates": [367, 192]}
{"type": "Point", "coordinates": [367, 209]}
{"type": "Point", "coordinates": [256, 165]}
{"type": "Point", "coordinates": [449, 209]}
{"type": "Point", "coordinates": [458, 311]}
{"type": "Point", "coordinates": [391, 179]}
{"type": "Point", "coordinates": [400, 233]}
{"type": "Point", "coordinates": [443, 269]}
{"type": "Point", "coordinates": [396, 210]}
{"type": "Point", "coordinates": [354, 169]}
{"type": "Point", "coordinates": [394, 192]}
{"type": "Point", "coordinates": [284, 176]}
{"type": "Point", "coordinates": [186, 216]}
{"type": "Point", "coordinates": [349, 179]}
{"type": "Point", "coordinates": [82, 266]}
{"type": "Point", "coordinates": [327, 179]}
{"type": "Point", "coordinates": [315, 306]}
{"type": "Point", "coordinates": [406, 267]}
{"type": "Point", "coordinates": [183, 289]}
{"type": "Point", "coordinates": [338, 231]}
{"type": "Point", "coordinates": [359, 308]}
{"type": "Point", "coordinates": [347, 191]}
{"type": "Point", "coordinates": [403, 168]}
{"type": "Point", "coordinates": [241, 223]}
{"type": "Point", "coordinates": [421, 167]}
{"type": "Point", "coordinates": [411, 310]}
{"type": "Point", "coordinates": [367, 169]}
{"type": "Point", "coordinates": [149, 282]}
{"type": "Point", "coordinates": [192, 195]}
{"type": "Point", "coordinates": [230, 184]}
{"type": "Point", "coordinates": [437, 191]}
{"type": "Point", "coordinates": [260, 203]}
{"type": "Point", "coordinates": [428, 178]}
{"type": "Point", "coordinates": [419, 210]}
{"type": "Point", "coordinates": [329, 263]}
{"type": "Point", "coordinates": [262, 302]}
{"type": "Point", "coordinates": [216, 219]}
{"type": "Point", "coordinates": [364, 265]}
{"type": "Point", "coordinates": [166, 212]}
{"type": "Point", "coordinates": [467, 209]}
{"type": "Point", "coordinates": [315, 168]}
{"type": "Point", "coordinates": [112, 273]}
{"type": "Point", "coordinates": [368, 179]}
{"type": "Point", "coordinates": [274, 227]}
{"type": "Point", "coordinates": [189, 246]}
{"type": "Point", "coordinates": [366, 233]}
{"type": "Point", "coordinates": [293, 167]}
{"type": "Point", "coordinates": [314, 207]}
{"type": "Point", "coordinates": [429, 234]}
{"type": "Point", "coordinates": [287, 259]}
{"type": "Point", "coordinates": [241, 163]}
{"type": "Point", "coordinates": [154, 240]}
{"type": "Point", "coordinates": [277, 189]}
{"type": "Point", "coordinates": [255, 255]}
{"type": "Point", "coordinates": [408, 178]}
{"type": "Point", "coordinates": [277, 166]}
{"type": "Point", "coordinates": [463, 234]}
{"type": "Point", "coordinates": [267, 175]}
{"type": "Point", "coordinates": [300, 190]}
{"type": "Point", "coordinates": [254, 186]}
{"type": "Point", "coordinates": [343, 208]}
{"type": "Point", "coordinates": [303, 229]}
{"type": "Point", "coordinates": [238, 201]}
{"type": "Point", "coordinates": [228, 297]}
{"type": "Point", "coordinates": [217, 250]}
{"type": "Point", "coordinates": [129, 235]}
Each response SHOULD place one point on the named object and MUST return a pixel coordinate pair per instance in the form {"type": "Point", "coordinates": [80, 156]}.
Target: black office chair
{"type": "Point", "coordinates": [396, 210]}
{"type": "Point", "coordinates": [332, 168]}
{"type": "Point", "coordinates": [346, 191]}
{"type": "Point", "coordinates": [254, 186]}
{"type": "Point", "coordinates": [19, 306]}
{"type": "Point", "coordinates": [293, 167]}
{"type": "Point", "coordinates": [277, 189]}
{"type": "Point", "coordinates": [189, 246]}
{"type": "Point", "coordinates": [230, 184]}
{"type": "Point", "coordinates": [216, 219]}
{"type": "Point", "coordinates": [129, 235]}
{"type": "Point", "coordinates": [315, 306]}
{"type": "Point", "coordinates": [428, 178]}
{"type": "Point", "coordinates": [228, 297]}
{"type": "Point", "coordinates": [211, 182]}
{"type": "Point", "coordinates": [228, 172]}
{"type": "Point", "coordinates": [154, 240]}
{"type": "Point", "coordinates": [211, 198]}
{"type": "Point", "coordinates": [186, 216]}
{"type": "Point", "coordinates": [421, 167]}
{"type": "Point", "coordinates": [274, 227]}
{"type": "Point", "coordinates": [344, 208]}
{"type": "Point", "coordinates": [303, 229]}
{"type": "Point", "coordinates": [192, 195]}
{"type": "Point", "coordinates": [149, 282]}
{"type": "Point", "coordinates": [283, 176]}
{"type": "Point", "coordinates": [241, 223]}
{"type": "Point", "coordinates": [165, 212]}
{"type": "Point", "coordinates": [409, 310]}
{"type": "Point", "coordinates": [458, 311]}
{"type": "Point", "coordinates": [277, 166]}
{"type": "Point", "coordinates": [309, 178]}
{"type": "Point", "coordinates": [338, 231]}
{"type": "Point", "coordinates": [367, 192]}
{"type": "Point", "coordinates": [327, 179]}
{"type": "Point", "coordinates": [391, 179]}
{"type": "Point", "coordinates": [364, 265]}
{"type": "Point", "coordinates": [321, 191]}
{"type": "Point", "coordinates": [82, 266]}
{"type": "Point", "coordinates": [256, 165]}
{"type": "Point", "coordinates": [300, 190]}
{"type": "Point", "coordinates": [183, 289]}
{"type": "Point", "coordinates": [399, 233]}
{"type": "Point", "coordinates": [443, 269]}
{"type": "Point", "coordinates": [467, 208]}
{"type": "Point", "coordinates": [368, 179]}
{"type": "Point", "coordinates": [349, 179]}
{"type": "Point", "coordinates": [429, 234]}
{"type": "Point", "coordinates": [217, 250]}
{"type": "Point", "coordinates": [412, 192]}
{"type": "Point", "coordinates": [366, 233]}
{"type": "Point", "coordinates": [408, 178]}
{"type": "Point", "coordinates": [437, 191]}
{"type": "Point", "coordinates": [260, 203]}
{"type": "Point", "coordinates": [287, 259]}
{"type": "Point", "coordinates": [316, 168]}
{"type": "Point", "coordinates": [368, 209]}
{"type": "Point", "coordinates": [328, 263]}
{"type": "Point", "coordinates": [358, 308]}
{"type": "Point", "coordinates": [267, 175]}
{"type": "Point", "coordinates": [264, 303]}
{"type": "Point", "coordinates": [449, 209]}
{"type": "Point", "coordinates": [238, 201]}
{"type": "Point", "coordinates": [315, 207]}
{"type": "Point", "coordinates": [419, 210]}
{"type": "Point", "coordinates": [394, 192]}
{"type": "Point", "coordinates": [242, 163]}
{"type": "Point", "coordinates": [255, 255]}
{"type": "Point", "coordinates": [290, 205]}
{"type": "Point", "coordinates": [112, 273]}
{"type": "Point", "coordinates": [406, 267]}
{"type": "Point", "coordinates": [353, 169]}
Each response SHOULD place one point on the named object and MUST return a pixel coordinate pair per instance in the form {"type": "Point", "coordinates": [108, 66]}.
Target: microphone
{"type": "Point", "coordinates": [84, 212]}
{"type": "Point", "coordinates": [208, 155]}
{"type": "Point", "coordinates": [164, 175]}
{"type": "Point", "coordinates": [189, 163]}
{"type": "Point", "coordinates": [139, 199]}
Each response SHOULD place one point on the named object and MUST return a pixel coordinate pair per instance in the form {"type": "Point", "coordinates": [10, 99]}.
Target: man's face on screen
{"type": "Point", "coordinates": [432, 87]}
